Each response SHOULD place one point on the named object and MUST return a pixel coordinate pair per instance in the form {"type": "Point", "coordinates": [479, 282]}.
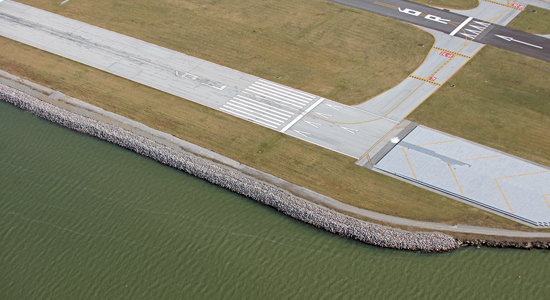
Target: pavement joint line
{"type": "Point", "coordinates": [507, 5]}
{"type": "Point", "coordinates": [424, 79]}
{"type": "Point", "coordinates": [450, 168]}
{"type": "Point", "coordinates": [481, 157]}
{"type": "Point", "coordinates": [407, 157]}
{"type": "Point", "coordinates": [454, 53]}
{"type": "Point", "coordinates": [460, 26]}
{"type": "Point", "coordinates": [305, 112]}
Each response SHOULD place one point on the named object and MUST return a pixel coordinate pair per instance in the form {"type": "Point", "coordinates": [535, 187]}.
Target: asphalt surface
{"type": "Point", "coordinates": [445, 21]}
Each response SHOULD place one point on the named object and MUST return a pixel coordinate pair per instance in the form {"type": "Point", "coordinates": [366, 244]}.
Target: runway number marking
{"type": "Point", "coordinates": [446, 54]}
{"type": "Point", "coordinates": [417, 13]}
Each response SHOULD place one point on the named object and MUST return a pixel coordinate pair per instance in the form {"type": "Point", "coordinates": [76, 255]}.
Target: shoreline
{"type": "Point", "coordinates": [295, 201]}
{"type": "Point", "coordinates": [235, 180]}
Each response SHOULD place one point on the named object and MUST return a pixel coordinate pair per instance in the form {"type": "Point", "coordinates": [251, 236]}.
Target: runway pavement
{"type": "Point", "coordinates": [481, 27]}
{"type": "Point", "coordinates": [364, 131]}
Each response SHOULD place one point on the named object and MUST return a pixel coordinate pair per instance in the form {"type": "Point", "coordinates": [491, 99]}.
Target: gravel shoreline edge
{"type": "Point", "coordinates": [234, 180]}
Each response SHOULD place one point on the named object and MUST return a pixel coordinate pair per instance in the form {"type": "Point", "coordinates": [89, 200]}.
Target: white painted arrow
{"type": "Point", "coordinates": [510, 39]}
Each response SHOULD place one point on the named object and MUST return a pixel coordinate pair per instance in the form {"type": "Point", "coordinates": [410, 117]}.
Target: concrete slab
{"type": "Point", "coordinates": [481, 175]}
{"type": "Point", "coordinates": [494, 11]}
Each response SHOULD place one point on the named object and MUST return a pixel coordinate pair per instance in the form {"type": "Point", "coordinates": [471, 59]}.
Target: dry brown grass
{"type": "Point", "coordinates": [336, 52]}
{"type": "Point", "coordinates": [537, 22]}
{"type": "Point", "coordinates": [296, 161]}
{"type": "Point", "coordinates": [502, 105]}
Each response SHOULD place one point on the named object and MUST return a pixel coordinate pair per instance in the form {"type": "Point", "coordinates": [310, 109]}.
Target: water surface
{"type": "Point", "coordinates": [83, 219]}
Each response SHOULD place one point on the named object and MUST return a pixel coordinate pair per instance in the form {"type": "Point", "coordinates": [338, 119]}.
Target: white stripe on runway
{"type": "Point", "coordinates": [273, 98]}
{"type": "Point", "coordinates": [460, 26]}
{"type": "Point", "coordinates": [270, 90]}
{"type": "Point", "coordinates": [302, 115]}
{"type": "Point", "coordinates": [252, 113]}
{"type": "Point", "coordinates": [255, 110]}
{"type": "Point", "coordinates": [293, 100]}
{"type": "Point", "coordinates": [259, 110]}
{"type": "Point", "coordinates": [247, 118]}
{"type": "Point", "coordinates": [264, 106]}
{"type": "Point", "coordinates": [285, 87]}
{"type": "Point", "coordinates": [308, 98]}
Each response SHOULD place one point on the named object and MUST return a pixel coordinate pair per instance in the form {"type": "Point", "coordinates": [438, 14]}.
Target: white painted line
{"type": "Point", "coordinates": [316, 125]}
{"type": "Point", "coordinates": [302, 133]}
{"type": "Point", "coordinates": [326, 116]}
{"type": "Point", "coordinates": [251, 94]}
{"type": "Point", "coordinates": [278, 117]}
{"type": "Point", "coordinates": [351, 130]}
{"type": "Point", "coordinates": [286, 87]}
{"type": "Point", "coordinates": [274, 98]}
{"type": "Point", "coordinates": [510, 39]}
{"type": "Point", "coordinates": [460, 26]}
{"type": "Point", "coordinates": [264, 106]}
{"type": "Point", "coordinates": [293, 100]}
{"type": "Point", "coordinates": [283, 94]}
{"type": "Point", "coordinates": [302, 115]}
{"type": "Point", "coordinates": [247, 118]}
{"type": "Point", "coordinates": [253, 113]}
{"type": "Point", "coordinates": [308, 98]}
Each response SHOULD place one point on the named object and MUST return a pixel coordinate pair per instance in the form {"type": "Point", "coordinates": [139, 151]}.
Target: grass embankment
{"type": "Point", "coordinates": [537, 22]}
{"type": "Point", "coordinates": [451, 4]}
{"type": "Point", "coordinates": [336, 52]}
{"type": "Point", "coordinates": [501, 99]}
{"type": "Point", "coordinates": [296, 161]}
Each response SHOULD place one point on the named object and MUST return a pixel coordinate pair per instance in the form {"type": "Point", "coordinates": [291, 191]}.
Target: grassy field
{"type": "Point", "coordinates": [501, 99]}
{"type": "Point", "coordinates": [533, 22]}
{"type": "Point", "coordinates": [299, 162]}
{"type": "Point", "coordinates": [452, 4]}
{"type": "Point", "coordinates": [336, 52]}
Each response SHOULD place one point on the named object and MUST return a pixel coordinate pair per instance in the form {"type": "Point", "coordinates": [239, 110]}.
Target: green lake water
{"type": "Point", "coordinates": [83, 219]}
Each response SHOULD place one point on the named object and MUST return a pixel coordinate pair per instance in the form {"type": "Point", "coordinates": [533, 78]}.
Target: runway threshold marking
{"type": "Point", "coordinates": [451, 168]}
{"type": "Point", "coordinates": [424, 79]}
{"type": "Point", "coordinates": [305, 112]}
{"type": "Point", "coordinates": [407, 157]}
{"type": "Point", "coordinates": [460, 26]}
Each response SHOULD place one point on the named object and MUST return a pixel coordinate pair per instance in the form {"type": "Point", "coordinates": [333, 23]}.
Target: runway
{"type": "Point", "coordinates": [481, 30]}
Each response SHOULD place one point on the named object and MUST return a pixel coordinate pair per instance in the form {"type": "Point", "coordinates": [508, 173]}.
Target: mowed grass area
{"type": "Point", "coordinates": [321, 170]}
{"type": "Point", "coordinates": [501, 99]}
{"type": "Point", "coordinates": [329, 50]}
{"type": "Point", "coordinates": [452, 4]}
{"type": "Point", "coordinates": [537, 22]}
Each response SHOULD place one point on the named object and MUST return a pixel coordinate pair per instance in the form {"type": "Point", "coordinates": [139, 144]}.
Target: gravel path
{"type": "Point", "coordinates": [235, 181]}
